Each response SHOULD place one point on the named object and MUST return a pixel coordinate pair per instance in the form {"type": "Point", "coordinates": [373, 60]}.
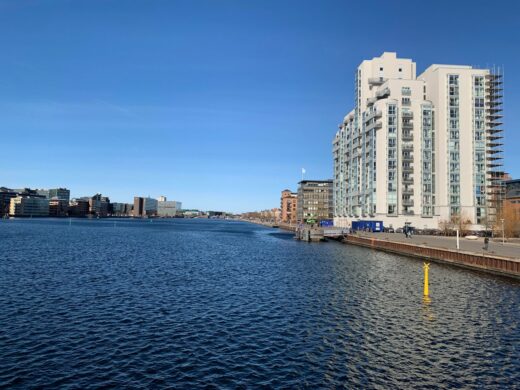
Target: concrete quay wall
{"type": "Point", "coordinates": [494, 264]}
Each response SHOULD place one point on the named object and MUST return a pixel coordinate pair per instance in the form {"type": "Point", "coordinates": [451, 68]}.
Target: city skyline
{"type": "Point", "coordinates": [220, 105]}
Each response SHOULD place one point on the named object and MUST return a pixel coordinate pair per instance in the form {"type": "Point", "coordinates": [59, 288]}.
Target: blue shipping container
{"type": "Point", "coordinates": [327, 223]}
{"type": "Point", "coordinates": [372, 226]}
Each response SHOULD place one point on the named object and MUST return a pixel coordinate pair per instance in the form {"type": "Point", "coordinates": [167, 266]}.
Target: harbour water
{"type": "Point", "coordinates": [193, 303]}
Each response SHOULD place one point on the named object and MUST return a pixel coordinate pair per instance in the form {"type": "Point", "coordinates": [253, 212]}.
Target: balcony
{"type": "Point", "coordinates": [408, 169]}
{"type": "Point", "coordinates": [407, 202]}
{"type": "Point", "coordinates": [374, 125]}
{"type": "Point", "coordinates": [408, 212]}
{"type": "Point", "coordinates": [383, 93]}
{"type": "Point", "coordinates": [374, 114]}
{"type": "Point", "coordinates": [407, 191]}
{"type": "Point", "coordinates": [407, 180]}
{"type": "Point", "coordinates": [407, 114]}
{"type": "Point", "coordinates": [407, 137]}
{"type": "Point", "coordinates": [376, 81]}
{"type": "Point", "coordinates": [406, 146]}
{"type": "Point", "coordinates": [407, 125]}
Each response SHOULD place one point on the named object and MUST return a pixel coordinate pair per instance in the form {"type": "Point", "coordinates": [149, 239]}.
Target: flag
{"type": "Point", "coordinates": [303, 171]}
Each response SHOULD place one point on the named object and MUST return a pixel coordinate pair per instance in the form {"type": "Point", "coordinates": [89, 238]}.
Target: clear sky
{"type": "Point", "coordinates": [218, 104]}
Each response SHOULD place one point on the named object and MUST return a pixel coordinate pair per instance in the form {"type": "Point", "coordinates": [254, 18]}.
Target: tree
{"type": "Point", "coordinates": [458, 221]}
{"type": "Point", "coordinates": [511, 216]}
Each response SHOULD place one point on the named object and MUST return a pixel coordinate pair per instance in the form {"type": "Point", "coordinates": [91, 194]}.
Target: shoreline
{"type": "Point", "coordinates": [490, 263]}
{"type": "Point", "coordinates": [498, 265]}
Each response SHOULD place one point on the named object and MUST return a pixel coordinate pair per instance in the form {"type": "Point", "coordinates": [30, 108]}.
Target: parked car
{"type": "Point", "coordinates": [389, 230]}
{"type": "Point", "coordinates": [399, 230]}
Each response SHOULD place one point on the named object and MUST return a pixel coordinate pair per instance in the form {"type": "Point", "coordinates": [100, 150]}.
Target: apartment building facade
{"type": "Point", "coordinates": [420, 149]}
{"type": "Point", "coordinates": [288, 207]}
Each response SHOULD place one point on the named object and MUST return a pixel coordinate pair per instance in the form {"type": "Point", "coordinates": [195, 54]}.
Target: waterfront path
{"type": "Point", "coordinates": [511, 250]}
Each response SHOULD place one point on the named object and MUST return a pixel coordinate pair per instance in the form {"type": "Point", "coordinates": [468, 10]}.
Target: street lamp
{"type": "Point", "coordinates": [503, 234]}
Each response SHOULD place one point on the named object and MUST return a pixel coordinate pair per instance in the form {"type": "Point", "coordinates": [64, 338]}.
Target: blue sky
{"type": "Point", "coordinates": [217, 104]}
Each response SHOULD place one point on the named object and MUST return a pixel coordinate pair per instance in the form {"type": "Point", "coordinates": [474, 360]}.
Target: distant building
{"type": "Point", "coordinates": [150, 206]}
{"type": "Point", "coordinates": [29, 192]}
{"type": "Point", "coordinates": [167, 208]}
{"type": "Point", "coordinates": [315, 201]}
{"type": "Point", "coordinates": [512, 197]}
{"type": "Point", "coordinates": [138, 210]}
{"type": "Point", "coordinates": [29, 206]}
{"type": "Point", "coordinates": [58, 207]}
{"type": "Point", "coordinates": [78, 207]}
{"type": "Point", "coordinates": [162, 199]}
{"type": "Point", "coordinates": [145, 207]}
{"type": "Point", "coordinates": [271, 215]}
{"type": "Point", "coordinates": [44, 193]}
{"type": "Point", "coordinates": [6, 194]}
{"type": "Point", "coordinates": [192, 213]}
{"type": "Point", "coordinates": [289, 207]}
{"type": "Point", "coordinates": [121, 209]}
{"type": "Point", "coordinates": [99, 205]}
{"type": "Point", "coordinates": [59, 193]}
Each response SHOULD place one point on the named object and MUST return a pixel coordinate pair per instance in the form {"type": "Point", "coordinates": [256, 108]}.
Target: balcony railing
{"type": "Point", "coordinates": [374, 114]}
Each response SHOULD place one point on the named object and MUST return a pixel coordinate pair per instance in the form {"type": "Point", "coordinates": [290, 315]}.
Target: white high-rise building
{"type": "Point", "coordinates": [420, 149]}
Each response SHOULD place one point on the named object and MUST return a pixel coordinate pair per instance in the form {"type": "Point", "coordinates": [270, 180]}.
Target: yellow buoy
{"type": "Point", "coordinates": [426, 267]}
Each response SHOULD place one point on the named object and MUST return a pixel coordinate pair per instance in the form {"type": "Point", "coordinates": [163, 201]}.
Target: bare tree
{"type": "Point", "coordinates": [511, 216]}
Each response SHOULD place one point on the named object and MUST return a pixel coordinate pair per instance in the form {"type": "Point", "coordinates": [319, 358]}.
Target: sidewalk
{"type": "Point", "coordinates": [495, 248]}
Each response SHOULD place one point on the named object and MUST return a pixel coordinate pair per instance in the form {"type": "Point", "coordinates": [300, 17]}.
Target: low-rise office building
{"type": "Point", "coordinates": [78, 207]}
{"type": "Point", "coordinates": [58, 207]}
{"type": "Point", "coordinates": [150, 206]}
{"type": "Point", "coordinates": [6, 194]}
{"type": "Point", "coordinates": [168, 208]}
{"type": "Point", "coordinates": [29, 206]}
{"type": "Point", "coordinates": [99, 205]}
{"type": "Point", "coordinates": [315, 201]}
{"type": "Point", "coordinates": [121, 209]}
{"type": "Point", "coordinates": [145, 207]}
{"type": "Point", "coordinates": [59, 193]}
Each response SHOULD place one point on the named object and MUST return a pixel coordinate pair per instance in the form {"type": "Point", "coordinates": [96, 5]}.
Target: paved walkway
{"type": "Point", "coordinates": [495, 248]}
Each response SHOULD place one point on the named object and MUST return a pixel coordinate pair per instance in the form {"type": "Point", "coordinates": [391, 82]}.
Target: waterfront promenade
{"type": "Point", "coordinates": [496, 248]}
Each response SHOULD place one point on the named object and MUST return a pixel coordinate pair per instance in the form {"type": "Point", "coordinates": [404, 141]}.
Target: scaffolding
{"type": "Point", "coordinates": [494, 146]}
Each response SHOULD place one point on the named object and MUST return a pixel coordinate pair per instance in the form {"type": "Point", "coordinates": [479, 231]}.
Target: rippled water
{"type": "Point", "coordinates": [193, 303]}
